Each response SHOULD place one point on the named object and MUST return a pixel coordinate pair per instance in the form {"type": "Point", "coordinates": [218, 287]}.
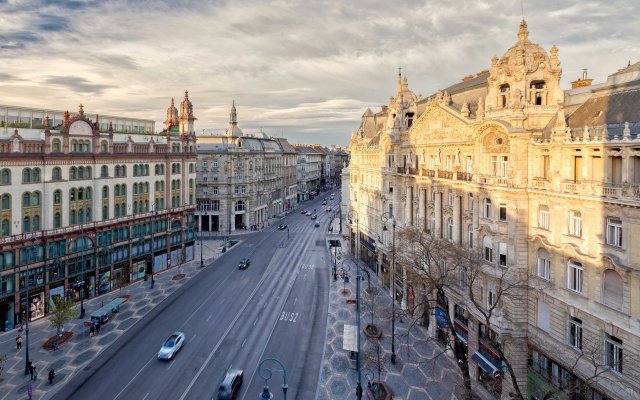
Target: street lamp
{"type": "Point", "coordinates": [353, 214]}
{"type": "Point", "coordinates": [79, 285]}
{"type": "Point", "coordinates": [385, 218]}
{"type": "Point", "coordinates": [201, 233]}
{"type": "Point", "coordinates": [268, 373]}
{"type": "Point", "coordinates": [154, 209]}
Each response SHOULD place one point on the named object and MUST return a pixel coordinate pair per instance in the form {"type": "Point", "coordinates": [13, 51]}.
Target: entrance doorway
{"type": "Point", "coordinates": [239, 221]}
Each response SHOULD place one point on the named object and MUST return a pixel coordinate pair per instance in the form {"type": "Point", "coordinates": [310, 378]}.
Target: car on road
{"type": "Point", "coordinates": [331, 198]}
{"type": "Point", "coordinates": [282, 227]}
{"type": "Point", "coordinates": [171, 346]}
{"type": "Point", "coordinates": [230, 385]}
{"type": "Point", "coordinates": [328, 209]}
{"type": "Point", "coordinates": [317, 224]}
{"type": "Point", "coordinates": [314, 216]}
{"type": "Point", "coordinates": [244, 263]}
{"type": "Point", "coordinates": [324, 203]}
{"type": "Point", "coordinates": [309, 213]}
{"type": "Point", "coordinates": [303, 212]}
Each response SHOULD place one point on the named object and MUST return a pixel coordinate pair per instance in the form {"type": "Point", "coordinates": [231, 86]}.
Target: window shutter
{"type": "Point", "coordinates": [543, 316]}
{"type": "Point", "coordinates": [613, 289]}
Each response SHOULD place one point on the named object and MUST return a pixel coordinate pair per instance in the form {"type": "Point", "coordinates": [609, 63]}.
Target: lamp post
{"type": "Point", "coordinates": [385, 218]}
{"type": "Point", "coordinates": [352, 214]}
{"type": "Point", "coordinates": [154, 209]}
{"type": "Point", "coordinates": [268, 373]}
{"type": "Point", "coordinates": [201, 233]}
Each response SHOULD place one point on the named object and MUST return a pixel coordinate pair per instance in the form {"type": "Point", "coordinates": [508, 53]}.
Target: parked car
{"type": "Point", "coordinates": [314, 216]}
{"type": "Point", "coordinates": [230, 385]}
{"type": "Point", "coordinates": [244, 263]}
{"type": "Point", "coordinates": [328, 209]}
{"type": "Point", "coordinates": [317, 224]}
{"type": "Point", "coordinates": [304, 212]}
{"type": "Point", "coordinates": [331, 198]}
{"type": "Point", "coordinates": [324, 203]}
{"type": "Point", "coordinates": [309, 213]}
{"type": "Point", "coordinates": [171, 346]}
{"type": "Point", "coordinates": [282, 227]}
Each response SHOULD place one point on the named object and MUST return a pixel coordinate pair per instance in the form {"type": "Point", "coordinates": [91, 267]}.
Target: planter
{"type": "Point", "coordinates": [372, 331]}
{"type": "Point", "coordinates": [57, 341]}
{"type": "Point", "coordinates": [379, 391]}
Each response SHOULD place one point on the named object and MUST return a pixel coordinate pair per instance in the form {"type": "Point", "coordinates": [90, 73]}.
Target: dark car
{"type": "Point", "coordinates": [317, 224]}
{"type": "Point", "coordinates": [230, 385]}
{"type": "Point", "coordinates": [282, 227]}
{"type": "Point", "coordinates": [244, 263]}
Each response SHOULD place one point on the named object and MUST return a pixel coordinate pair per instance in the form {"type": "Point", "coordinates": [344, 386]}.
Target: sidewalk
{"type": "Point", "coordinates": [81, 349]}
{"type": "Point", "coordinates": [421, 371]}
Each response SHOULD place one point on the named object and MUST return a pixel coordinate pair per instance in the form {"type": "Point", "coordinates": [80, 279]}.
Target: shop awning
{"type": "Point", "coordinates": [485, 364]}
{"type": "Point", "coordinates": [349, 338]}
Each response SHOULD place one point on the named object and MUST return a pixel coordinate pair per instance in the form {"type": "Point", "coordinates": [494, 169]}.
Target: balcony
{"type": "Point", "coordinates": [540, 183]}
{"type": "Point", "coordinates": [464, 176]}
{"type": "Point", "coordinates": [428, 172]}
{"type": "Point", "coordinates": [445, 174]}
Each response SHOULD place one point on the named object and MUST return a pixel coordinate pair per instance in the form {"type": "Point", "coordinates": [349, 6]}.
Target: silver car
{"type": "Point", "coordinates": [171, 346]}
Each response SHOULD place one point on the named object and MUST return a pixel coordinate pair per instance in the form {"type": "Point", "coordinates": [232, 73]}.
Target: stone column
{"type": "Point", "coordinates": [409, 207]}
{"type": "Point", "coordinates": [421, 209]}
{"type": "Point", "coordinates": [625, 167]}
{"type": "Point", "coordinates": [457, 219]}
{"type": "Point", "coordinates": [438, 211]}
{"type": "Point", "coordinates": [397, 200]}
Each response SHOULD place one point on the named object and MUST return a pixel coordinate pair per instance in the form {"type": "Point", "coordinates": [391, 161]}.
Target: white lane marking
{"type": "Point", "coordinates": [209, 317]}
{"type": "Point", "coordinates": [134, 377]}
{"type": "Point", "coordinates": [146, 395]}
{"type": "Point", "coordinates": [295, 301]}
{"type": "Point", "coordinates": [171, 364]}
{"type": "Point", "coordinates": [243, 342]}
{"type": "Point", "coordinates": [255, 322]}
{"type": "Point", "coordinates": [193, 337]}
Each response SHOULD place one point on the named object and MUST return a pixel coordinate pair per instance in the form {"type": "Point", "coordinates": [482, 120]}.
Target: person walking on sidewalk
{"type": "Point", "coordinates": [19, 341]}
{"type": "Point", "coordinates": [31, 369]}
{"type": "Point", "coordinates": [52, 374]}
{"type": "Point", "coordinates": [29, 392]}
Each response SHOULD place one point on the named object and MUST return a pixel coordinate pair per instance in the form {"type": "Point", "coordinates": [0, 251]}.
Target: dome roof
{"type": "Point", "coordinates": [524, 53]}
{"type": "Point", "coordinates": [186, 108]}
{"type": "Point", "coordinates": [172, 115]}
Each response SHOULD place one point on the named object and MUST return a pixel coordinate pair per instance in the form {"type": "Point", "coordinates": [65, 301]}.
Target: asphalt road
{"type": "Point", "coordinates": [276, 308]}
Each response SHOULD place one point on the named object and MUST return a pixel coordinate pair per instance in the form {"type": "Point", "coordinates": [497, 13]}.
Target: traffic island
{"type": "Point", "coordinates": [55, 341]}
{"type": "Point", "coordinates": [379, 391]}
{"type": "Point", "coordinates": [179, 276]}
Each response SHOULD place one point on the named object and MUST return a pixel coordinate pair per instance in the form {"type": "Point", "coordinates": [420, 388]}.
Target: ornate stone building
{"type": "Point", "coordinates": [310, 171]}
{"type": "Point", "coordinates": [546, 184]}
{"type": "Point", "coordinates": [243, 180]}
{"type": "Point", "coordinates": [83, 197]}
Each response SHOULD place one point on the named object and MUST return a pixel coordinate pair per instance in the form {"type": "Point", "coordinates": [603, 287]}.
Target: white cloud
{"type": "Point", "coordinates": [303, 68]}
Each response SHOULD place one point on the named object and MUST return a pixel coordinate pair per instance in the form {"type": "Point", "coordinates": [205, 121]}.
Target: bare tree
{"type": "Point", "coordinates": [370, 305]}
{"type": "Point", "coordinates": [375, 359]}
{"type": "Point", "coordinates": [3, 359]}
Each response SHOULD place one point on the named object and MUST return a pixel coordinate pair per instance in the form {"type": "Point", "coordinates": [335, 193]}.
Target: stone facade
{"type": "Point", "coordinates": [243, 180]}
{"type": "Point", "coordinates": [83, 197]}
{"type": "Point", "coordinates": [546, 184]}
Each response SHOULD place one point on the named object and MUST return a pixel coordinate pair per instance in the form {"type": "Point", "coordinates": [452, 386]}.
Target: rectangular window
{"type": "Point", "coordinates": [613, 353]}
{"type": "Point", "coordinates": [236, 190]}
{"type": "Point", "coordinates": [463, 277]}
{"type": "Point", "coordinates": [487, 208]}
{"type": "Point", "coordinates": [244, 189]}
{"type": "Point", "coordinates": [491, 298]}
{"type": "Point", "coordinates": [451, 198]}
{"type": "Point", "coordinates": [215, 190]}
{"type": "Point", "coordinates": [488, 253]}
{"type": "Point", "coordinates": [503, 212]}
{"type": "Point", "coordinates": [575, 276]}
{"type": "Point", "coordinates": [614, 232]}
{"type": "Point", "coordinates": [470, 203]}
{"type": "Point", "coordinates": [205, 164]}
{"type": "Point", "coordinates": [574, 332]}
{"type": "Point", "coordinates": [470, 239]}
{"type": "Point", "coordinates": [494, 165]}
{"type": "Point", "coordinates": [504, 165]}
{"type": "Point", "coordinates": [544, 268]}
{"type": "Point", "coordinates": [545, 167]}
{"type": "Point", "coordinates": [575, 224]}
{"type": "Point", "coordinates": [543, 218]}
{"type": "Point", "coordinates": [502, 250]}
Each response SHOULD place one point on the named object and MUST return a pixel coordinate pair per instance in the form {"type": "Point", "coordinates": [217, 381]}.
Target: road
{"type": "Point", "coordinates": [276, 308]}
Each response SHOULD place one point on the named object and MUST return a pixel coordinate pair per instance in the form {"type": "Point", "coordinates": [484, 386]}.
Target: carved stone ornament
{"type": "Point", "coordinates": [80, 127]}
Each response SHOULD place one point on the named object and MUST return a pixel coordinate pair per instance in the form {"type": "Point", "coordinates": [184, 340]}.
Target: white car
{"type": "Point", "coordinates": [171, 346]}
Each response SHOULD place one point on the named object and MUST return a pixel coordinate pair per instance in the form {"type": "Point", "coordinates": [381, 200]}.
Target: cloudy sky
{"type": "Point", "coordinates": [303, 69]}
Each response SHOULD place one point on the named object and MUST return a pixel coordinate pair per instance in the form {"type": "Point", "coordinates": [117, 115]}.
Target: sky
{"type": "Point", "coordinates": [301, 69]}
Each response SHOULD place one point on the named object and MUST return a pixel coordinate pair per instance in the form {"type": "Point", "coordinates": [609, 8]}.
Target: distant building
{"type": "Point", "coordinates": [310, 171]}
{"type": "Point", "coordinates": [546, 185]}
{"type": "Point", "coordinates": [243, 180]}
{"type": "Point", "coordinates": [82, 198]}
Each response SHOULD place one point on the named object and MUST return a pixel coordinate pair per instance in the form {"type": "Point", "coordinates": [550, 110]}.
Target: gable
{"type": "Point", "coordinates": [438, 123]}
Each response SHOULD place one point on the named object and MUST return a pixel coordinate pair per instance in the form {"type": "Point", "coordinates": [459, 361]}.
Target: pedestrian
{"type": "Point", "coordinates": [98, 328]}
{"type": "Point", "coordinates": [30, 391]}
{"type": "Point", "coordinates": [91, 330]}
{"type": "Point", "coordinates": [31, 369]}
{"type": "Point", "coordinates": [35, 373]}
{"type": "Point", "coordinates": [19, 342]}
{"type": "Point", "coordinates": [52, 374]}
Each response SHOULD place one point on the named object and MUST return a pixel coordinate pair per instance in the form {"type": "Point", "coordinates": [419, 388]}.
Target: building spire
{"type": "Point", "coordinates": [523, 33]}
{"type": "Point", "coordinates": [233, 116]}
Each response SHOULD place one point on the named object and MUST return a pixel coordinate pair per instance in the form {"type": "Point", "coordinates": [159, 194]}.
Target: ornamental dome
{"type": "Point", "coordinates": [172, 115]}
{"type": "Point", "coordinates": [186, 108]}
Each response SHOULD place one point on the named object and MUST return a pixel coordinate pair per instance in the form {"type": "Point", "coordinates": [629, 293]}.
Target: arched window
{"type": "Point", "coordinates": [26, 175]}
{"type": "Point", "coordinates": [35, 175]}
{"type": "Point", "coordinates": [89, 173]}
{"type": "Point", "coordinates": [55, 146]}
{"type": "Point", "coordinates": [81, 194]}
{"type": "Point", "coordinates": [487, 208]}
{"type": "Point", "coordinates": [135, 207]}
{"type": "Point", "coordinates": [105, 192]}
{"type": "Point", "coordinates": [157, 169]}
{"type": "Point", "coordinates": [450, 229]}
{"type": "Point", "coordinates": [135, 188]}
{"type": "Point", "coordinates": [73, 173]}
{"type": "Point", "coordinates": [135, 170]}
{"type": "Point", "coordinates": [26, 200]}
{"type": "Point", "coordinates": [123, 190]}
{"type": "Point", "coordinates": [146, 187]}
{"type": "Point", "coordinates": [613, 289]}
{"type": "Point", "coordinates": [6, 227]}
{"type": "Point", "coordinates": [105, 212]}
{"type": "Point", "coordinates": [117, 170]}
{"type": "Point", "coordinates": [56, 174]}
{"type": "Point", "coordinates": [104, 171]}
{"type": "Point", "coordinates": [6, 202]}
{"type": "Point", "coordinates": [5, 177]}
{"type": "Point", "coordinates": [81, 173]}
{"type": "Point", "coordinates": [57, 220]}
{"type": "Point", "coordinates": [36, 222]}
{"type": "Point", "coordinates": [35, 199]}
{"type": "Point", "coordinates": [116, 190]}
{"type": "Point", "coordinates": [239, 206]}
{"type": "Point", "coordinates": [88, 193]}
{"type": "Point", "coordinates": [104, 146]}
{"type": "Point", "coordinates": [26, 224]}
{"type": "Point", "coordinates": [504, 94]}
{"type": "Point", "coordinates": [57, 197]}
{"type": "Point", "coordinates": [74, 146]}
{"type": "Point", "coordinates": [72, 195]}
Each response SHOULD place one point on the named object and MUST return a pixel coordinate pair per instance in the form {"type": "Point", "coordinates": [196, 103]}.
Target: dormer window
{"type": "Point", "coordinates": [504, 97]}
{"type": "Point", "coordinates": [538, 92]}
{"type": "Point", "coordinates": [409, 119]}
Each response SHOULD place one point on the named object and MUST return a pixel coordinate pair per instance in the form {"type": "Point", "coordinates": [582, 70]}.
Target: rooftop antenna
{"type": "Point", "coordinates": [522, 8]}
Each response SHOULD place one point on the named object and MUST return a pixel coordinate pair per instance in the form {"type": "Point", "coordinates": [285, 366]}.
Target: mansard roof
{"type": "Point", "coordinates": [608, 108]}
